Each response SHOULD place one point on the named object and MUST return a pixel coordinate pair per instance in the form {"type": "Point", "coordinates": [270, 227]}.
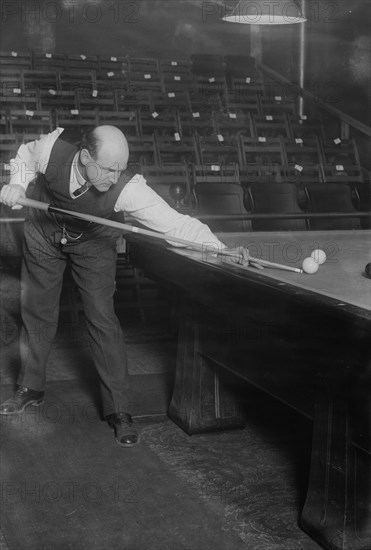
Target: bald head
{"type": "Point", "coordinates": [104, 155]}
{"type": "Point", "coordinates": [112, 143]}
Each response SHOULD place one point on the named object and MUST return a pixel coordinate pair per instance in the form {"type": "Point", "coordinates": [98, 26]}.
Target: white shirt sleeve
{"type": "Point", "coordinates": [32, 158]}
{"type": "Point", "coordinates": [148, 208]}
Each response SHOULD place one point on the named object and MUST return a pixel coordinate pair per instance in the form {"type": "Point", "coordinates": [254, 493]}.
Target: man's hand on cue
{"type": "Point", "coordinates": [11, 193]}
{"type": "Point", "coordinates": [239, 255]}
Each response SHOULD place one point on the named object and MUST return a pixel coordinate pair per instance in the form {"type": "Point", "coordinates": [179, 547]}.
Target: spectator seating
{"type": "Point", "coordinates": [331, 197]}
{"type": "Point", "coordinates": [22, 60]}
{"type": "Point", "coordinates": [275, 198]}
{"type": "Point", "coordinates": [341, 161]}
{"type": "Point", "coordinates": [21, 121]}
{"type": "Point", "coordinates": [233, 124]}
{"type": "Point", "coordinates": [218, 192]}
{"type": "Point", "coordinates": [207, 110]}
{"type": "Point", "coordinates": [219, 149]}
{"type": "Point", "coordinates": [270, 126]}
{"type": "Point", "coordinates": [172, 183]}
{"type": "Point", "coordinates": [127, 121]}
{"type": "Point", "coordinates": [76, 118]}
{"type": "Point", "coordinates": [262, 150]}
{"type": "Point", "coordinates": [178, 149]}
{"type": "Point", "coordinates": [143, 150]}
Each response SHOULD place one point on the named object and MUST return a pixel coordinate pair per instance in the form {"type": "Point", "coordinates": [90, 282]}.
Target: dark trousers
{"type": "Point", "coordinates": [93, 264]}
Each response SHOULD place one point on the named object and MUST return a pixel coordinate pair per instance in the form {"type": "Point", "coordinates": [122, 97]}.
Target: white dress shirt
{"type": "Point", "coordinates": [136, 199]}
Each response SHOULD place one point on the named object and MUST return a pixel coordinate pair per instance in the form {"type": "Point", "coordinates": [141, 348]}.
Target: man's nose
{"type": "Point", "coordinates": [115, 178]}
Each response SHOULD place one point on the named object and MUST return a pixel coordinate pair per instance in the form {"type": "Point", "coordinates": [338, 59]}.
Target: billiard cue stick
{"type": "Point", "coordinates": [129, 228]}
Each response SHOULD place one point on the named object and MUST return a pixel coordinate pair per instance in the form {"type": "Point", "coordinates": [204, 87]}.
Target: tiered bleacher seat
{"type": "Point", "coordinates": [341, 161]}
{"type": "Point", "coordinates": [96, 99]}
{"type": "Point", "coordinates": [176, 75]}
{"type": "Point", "coordinates": [129, 100]}
{"type": "Point", "coordinates": [172, 183]}
{"type": "Point", "coordinates": [27, 121]}
{"type": "Point", "coordinates": [127, 121]}
{"type": "Point", "coordinates": [219, 149]}
{"type": "Point", "coordinates": [203, 102]}
{"type": "Point", "coordinates": [9, 144]}
{"type": "Point", "coordinates": [144, 74]}
{"type": "Point", "coordinates": [143, 150]}
{"type": "Point", "coordinates": [11, 59]}
{"type": "Point", "coordinates": [195, 122]}
{"type": "Point", "coordinates": [275, 198]}
{"type": "Point", "coordinates": [177, 149]}
{"type": "Point", "coordinates": [270, 126]}
{"type": "Point", "coordinates": [209, 76]}
{"type": "Point", "coordinates": [113, 63]}
{"type": "Point", "coordinates": [58, 99]}
{"type": "Point", "coordinates": [82, 62]}
{"type": "Point", "coordinates": [302, 160]}
{"type": "Point", "coordinates": [259, 173]}
{"type": "Point", "coordinates": [74, 80]}
{"type": "Point", "coordinates": [19, 99]}
{"type": "Point", "coordinates": [169, 101]}
{"type": "Point", "coordinates": [11, 78]}
{"type": "Point", "coordinates": [76, 118]}
{"type": "Point", "coordinates": [41, 79]}
{"type": "Point", "coordinates": [164, 123]}
{"type": "Point", "coordinates": [49, 61]}
{"type": "Point", "coordinates": [262, 151]}
{"type": "Point", "coordinates": [306, 126]}
{"type": "Point", "coordinates": [244, 104]}
{"type": "Point", "coordinates": [231, 124]}
{"type": "Point", "coordinates": [277, 104]}
{"type": "Point", "coordinates": [218, 192]}
{"type": "Point", "coordinates": [331, 197]}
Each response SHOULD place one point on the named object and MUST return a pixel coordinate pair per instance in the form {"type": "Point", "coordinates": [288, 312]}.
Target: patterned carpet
{"type": "Point", "coordinates": [254, 479]}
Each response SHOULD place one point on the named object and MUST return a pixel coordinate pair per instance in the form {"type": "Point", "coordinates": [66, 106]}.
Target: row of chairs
{"type": "Point", "coordinates": [148, 73]}
{"type": "Point", "coordinates": [165, 119]}
{"type": "Point", "coordinates": [206, 74]}
{"type": "Point", "coordinates": [261, 159]}
{"type": "Point", "coordinates": [201, 63]}
{"type": "Point", "coordinates": [223, 199]}
{"type": "Point", "coordinates": [46, 89]}
{"type": "Point", "coordinates": [171, 71]}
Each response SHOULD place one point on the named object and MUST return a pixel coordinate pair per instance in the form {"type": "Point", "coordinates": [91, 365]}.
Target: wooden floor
{"type": "Point", "coordinates": [67, 485]}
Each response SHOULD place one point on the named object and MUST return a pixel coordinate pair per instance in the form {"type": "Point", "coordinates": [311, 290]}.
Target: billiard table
{"type": "Point", "coordinates": [304, 339]}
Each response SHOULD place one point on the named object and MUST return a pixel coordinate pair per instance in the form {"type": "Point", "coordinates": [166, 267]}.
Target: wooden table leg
{"type": "Point", "coordinates": [337, 511]}
{"type": "Point", "coordinates": [200, 402]}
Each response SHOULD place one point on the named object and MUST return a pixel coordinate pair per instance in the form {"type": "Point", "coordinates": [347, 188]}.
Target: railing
{"type": "Point", "coordinates": [346, 120]}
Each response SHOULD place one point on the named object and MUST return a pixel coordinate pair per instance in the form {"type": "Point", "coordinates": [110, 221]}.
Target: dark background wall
{"type": "Point", "coordinates": [338, 53]}
{"type": "Point", "coordinates": [337, 37]}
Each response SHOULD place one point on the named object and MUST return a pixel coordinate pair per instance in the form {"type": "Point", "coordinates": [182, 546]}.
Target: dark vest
{"type": "Point", "coordinates": [53, 188]}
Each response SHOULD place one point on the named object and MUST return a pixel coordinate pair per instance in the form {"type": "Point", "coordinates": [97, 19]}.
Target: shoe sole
{"type": "Point", "coordinates": [36, 403]}
{"type": "Point", "coordinates": [127, 445]}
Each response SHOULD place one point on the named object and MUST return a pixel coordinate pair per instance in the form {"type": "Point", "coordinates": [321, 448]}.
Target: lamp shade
{"type": "Point", "coordinates": [266, 12]}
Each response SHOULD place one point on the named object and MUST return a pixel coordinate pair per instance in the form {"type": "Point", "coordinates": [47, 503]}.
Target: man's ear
{"type": "Point", "coordinates": [85, 157]}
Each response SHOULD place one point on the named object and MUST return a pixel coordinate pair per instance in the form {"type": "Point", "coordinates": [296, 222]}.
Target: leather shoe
{"type": "Point", "coordinates": [21, 399]}
{"type": "Point", "coordinates": [125, 433]}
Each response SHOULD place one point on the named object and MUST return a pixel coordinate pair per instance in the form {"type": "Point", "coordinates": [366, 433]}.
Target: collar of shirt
{"type": "Point", "coordinates": [76, 179]}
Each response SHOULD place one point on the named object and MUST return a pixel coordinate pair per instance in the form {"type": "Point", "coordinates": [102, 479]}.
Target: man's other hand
{"type": "Point", "coordinates": [11, 193]}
